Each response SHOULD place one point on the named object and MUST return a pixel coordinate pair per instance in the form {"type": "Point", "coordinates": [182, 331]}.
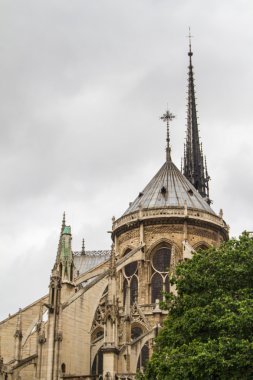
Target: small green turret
{"type": "Point", "coordinates": [66, 257]}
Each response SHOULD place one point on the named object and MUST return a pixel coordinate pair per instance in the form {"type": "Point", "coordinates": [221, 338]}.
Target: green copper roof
{"type": "Point", "coordinates": [67, 230]}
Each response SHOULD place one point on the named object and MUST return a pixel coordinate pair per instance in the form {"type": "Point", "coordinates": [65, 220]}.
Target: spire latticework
{"type": "Point", "coordinates": [194, 168]}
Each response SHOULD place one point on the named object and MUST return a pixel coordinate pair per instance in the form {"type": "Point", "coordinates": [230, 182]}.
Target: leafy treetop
{"type": "Point", "coordinates": [209, 330]}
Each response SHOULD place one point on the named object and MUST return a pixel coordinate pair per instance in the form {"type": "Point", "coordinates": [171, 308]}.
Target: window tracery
{"type": "Point", "coordinates": [130, 280]}
{"type": "Point", "coordinates": [160, 263]}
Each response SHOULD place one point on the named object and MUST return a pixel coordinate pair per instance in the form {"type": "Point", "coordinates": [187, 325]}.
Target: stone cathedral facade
{"type": "Point", "coordinates": [102, 313]}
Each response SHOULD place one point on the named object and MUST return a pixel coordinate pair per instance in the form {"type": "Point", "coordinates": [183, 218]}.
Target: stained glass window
{"type": "Point", "coordinates": [144, 356]}
{"type": "Point", "coordinates": [160, 278]}
{"type": "Point", "coordinates": [167, 284]}
{"type": "Point", "coordinates": [156, 287]}
{"type": "Point", "coordinates": [130, 269]}
{"type": "Point", "coordinates": [133, 289]}
{"type": "Point", "coordinates": [161, 259]}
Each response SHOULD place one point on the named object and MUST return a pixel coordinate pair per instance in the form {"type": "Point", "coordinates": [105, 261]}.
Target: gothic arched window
{"type": "Point", "coordinates": [130, 269]}
{"type": "Point", "coordinates": [133, 289]}
{"type": "Point", "coordinates": [157, 287]}
{"type": "Point", "coordinates": [97, 366]}
{"type": "Point", "coordinates": [160, 260]}
{"type": "Point", "coordinates": [144, 356]}
{"type": "Point", "coordinates": [130, 280]}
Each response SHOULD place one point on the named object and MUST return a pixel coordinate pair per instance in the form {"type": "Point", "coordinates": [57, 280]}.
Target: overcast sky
{"type": "Point", "coordinates": [83, 84]}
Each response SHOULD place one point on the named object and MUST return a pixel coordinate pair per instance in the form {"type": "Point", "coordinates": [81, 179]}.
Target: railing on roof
{"type": "Point", "coordinates": [169, 212]}
{"type": "Point", "coordinates": [92, 253]}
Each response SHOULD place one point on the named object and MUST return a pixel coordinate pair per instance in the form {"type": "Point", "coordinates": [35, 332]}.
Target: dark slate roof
{"type": "Point", "coordinates": [90, 259]}
{"type": "Point", "coordinates": [176, 190]}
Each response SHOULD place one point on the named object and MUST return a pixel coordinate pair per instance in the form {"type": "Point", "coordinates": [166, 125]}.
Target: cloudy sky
{"type": "Point", "coordinates": [83, 83]}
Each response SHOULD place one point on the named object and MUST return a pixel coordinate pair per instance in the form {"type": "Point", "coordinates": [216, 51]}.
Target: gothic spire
{"type": "Point", "coordinates": [195, 169]}
{"type": "Point", "coordinates": [167, 117]}
{"type": "Point", "coordinates": [63, 225]}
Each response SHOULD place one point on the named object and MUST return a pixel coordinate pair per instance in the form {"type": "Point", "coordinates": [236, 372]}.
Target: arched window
{"type": "Point", "coordinates": [97, 366]}
{"type": "Point", "coordinates": [160, 261]}
{"type": "Point", "coordinates": [167, 284]}
{"type": "Point", "coordinates": [157, 287]}
{"type": "Point", "coordinates": [130, 273]}
{"type": "Point", "coordinates": [130, 269]}
{"type": "Point", "coordinates": [133, 290]}
{"type": "Point", "coordinates": [144, 356]}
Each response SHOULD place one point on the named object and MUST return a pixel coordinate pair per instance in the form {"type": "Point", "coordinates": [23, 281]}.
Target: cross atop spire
{"type": "Point", "coordinates": [167, 117]}
{"type": "Point", "coordinates": [194, 169]}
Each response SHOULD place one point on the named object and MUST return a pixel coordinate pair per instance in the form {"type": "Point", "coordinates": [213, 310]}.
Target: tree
{"type": "Point", "coordinates": [209, 330]}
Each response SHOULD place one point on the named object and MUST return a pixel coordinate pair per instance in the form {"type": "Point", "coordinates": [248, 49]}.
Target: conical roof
{"type": "Point", "coordinates": [169, 188]}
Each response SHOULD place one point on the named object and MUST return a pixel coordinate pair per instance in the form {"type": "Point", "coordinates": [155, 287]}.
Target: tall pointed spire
{"type": "Point", "coordinates": [167, 117]}
{"type": "Point", "coordinates": [194, 168]}
{"type": "Point", "coordinates": [63, 225]}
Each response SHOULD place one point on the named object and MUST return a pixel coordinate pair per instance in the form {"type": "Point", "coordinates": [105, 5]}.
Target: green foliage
{"type": "Point", "coordinates": [209, 331]}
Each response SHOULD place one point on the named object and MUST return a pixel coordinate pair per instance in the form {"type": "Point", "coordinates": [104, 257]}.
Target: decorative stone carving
{"type": "Point", "coordinates": [163, 229]}
{"type": "Point", "coordinates": [99, 317]}
{"type": "Point", "coordinates": [138, 316]}
{"type": "Point", "coordinates": [42, 338]}
{"type": "Point", "coordinates": [129, 235]}
{"type": "Point", "coordinates": [202, 233]}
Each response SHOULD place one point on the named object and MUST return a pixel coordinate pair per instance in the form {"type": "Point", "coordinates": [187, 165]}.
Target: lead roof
{"type": "Point", "coordinates": [169, 188]}
{"type": "Point", "coordinates": [90, 259]}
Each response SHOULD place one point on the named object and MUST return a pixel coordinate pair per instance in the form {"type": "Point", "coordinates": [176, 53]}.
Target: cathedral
{"type": "Point", "coordinates": [101, 314]}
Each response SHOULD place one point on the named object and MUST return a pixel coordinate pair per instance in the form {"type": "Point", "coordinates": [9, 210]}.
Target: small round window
{"type": "Point", "coordinates": [161, 259]}
{"type": "Point", "coordinates": [136, 332]}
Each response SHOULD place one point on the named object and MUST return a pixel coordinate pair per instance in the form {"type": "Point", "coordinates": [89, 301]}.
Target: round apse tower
{"type": "Point", "coordinates": [167, 220]}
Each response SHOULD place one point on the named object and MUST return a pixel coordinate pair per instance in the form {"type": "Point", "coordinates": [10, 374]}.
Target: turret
{"type": "Point", "coordinates": [66, 257]}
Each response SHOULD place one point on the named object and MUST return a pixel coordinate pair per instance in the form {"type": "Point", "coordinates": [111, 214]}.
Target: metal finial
{"type": "Point", "coordinates": [190, 53]}
{"type": "Point", "coordinates": [64, 220]}
{"type": "Point", "coordinates": [83, 247]}
{"type": "Point", "coordinates": [167, 117]}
